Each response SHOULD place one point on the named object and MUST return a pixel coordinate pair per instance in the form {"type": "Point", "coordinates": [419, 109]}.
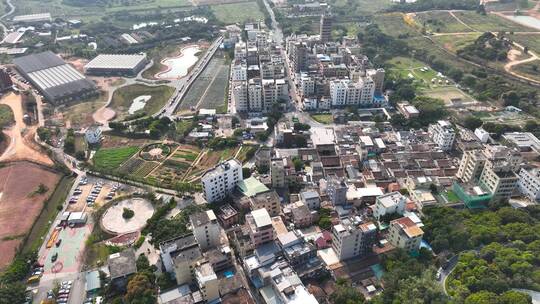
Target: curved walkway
{"type": "Point", "coordinates": [2, 25]}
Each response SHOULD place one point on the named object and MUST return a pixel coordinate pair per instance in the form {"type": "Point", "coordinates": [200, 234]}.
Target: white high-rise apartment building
{"type": "Point", "coordinates": [307, 85]}
{"type": "Point", "coordinates": [442, 134]}
{"type": "Point", "coordinates": [529, 183]}
{"type": "Point", "coordinates": [255, 95]}
{"type": "Point", "coordinates": [239, 72]}
{"type": "Point", "coordinates": [240, 96]}
{"type": "Point", "coordinates": [206, 229]}
{"type": "Point", "coordinates": [353, 239]}
{"type": "Point", "coordinates": [344, 92]}
{"type": "Point", "coordinates": [221, 180]}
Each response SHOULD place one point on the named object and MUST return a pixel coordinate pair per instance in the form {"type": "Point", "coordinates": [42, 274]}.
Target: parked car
{"type": "Point", "coordinates": [58, 242]}
{"type": "Point", "coordinates": [54, 257]}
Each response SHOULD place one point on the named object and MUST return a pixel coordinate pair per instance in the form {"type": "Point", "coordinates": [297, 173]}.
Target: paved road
{"type": "Point", "coordinates": [11, 10]}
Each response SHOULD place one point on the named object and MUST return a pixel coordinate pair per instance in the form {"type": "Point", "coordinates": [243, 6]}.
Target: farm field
{"type": "Point", "coordinates": [199, 92]}
{"type": "Point", "coordinates": [215, 96]}
{"type": "Point", "coordinates": [456, 42]}
{"type": "Point", "coordinates": [490, 22]}
{"type": "Point", "coordinates": [237, 12]}
{"type": "Point", "coordinates": [20, 203]}
{"type": "Point", "coordinates": [123, 99]}
{"type": "Point", "coordinates": [440, 22]}
{"type": "Point", "coordinates": [209, 159]}
{"type": "Point", "coordinates": [246, 152]}
{"type": "Point", "coordinates": [174, 168]}
{"type": "Point", "coordinates": [6, 116]}
{"type": "Point", "coordinates": [529, 69]}
{"type": "Point", "coordinates": [111, 158]}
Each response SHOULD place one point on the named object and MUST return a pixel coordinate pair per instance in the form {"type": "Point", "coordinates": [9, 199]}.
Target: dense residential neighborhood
{"type": "Point", "coordinates": [257, 151]}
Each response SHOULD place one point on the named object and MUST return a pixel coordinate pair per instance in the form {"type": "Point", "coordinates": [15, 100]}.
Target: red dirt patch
{"type": "Point", "coordinates": [19, 207]}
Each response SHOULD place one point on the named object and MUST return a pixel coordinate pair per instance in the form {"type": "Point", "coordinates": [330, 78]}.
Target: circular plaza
{"type": "Point", "coordinates": [114, 220]}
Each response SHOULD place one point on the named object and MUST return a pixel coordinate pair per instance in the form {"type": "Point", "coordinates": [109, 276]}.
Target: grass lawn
{"type": "Point", "coordinates": [80, 114]}
{"type": "Point", "coordinates": [532, 41]}
{"type": "Point", "coordinates": [323, 118]}
{"type": "Point", "coordinates": [123, 98]}
{"type": "Point", "coordinates": [411, 68]}
{"type": "Point", "coordinates": [456, 42]}
{"type": "Point", "coordinates": [362, 7]}
{"type": "Point", "coordinates": [529, 69]}
{"type": "Point", "coordinates": [490, 22]}
{"type": "Point", "coordinates": [47, 215]}
{"type": "Point", "coordinates": [451, 196]}
{"type": "Point", "coordinates": [238, 12]}
{"type": "Point", "coordinates": [6, 116]}
{"type": "Point", "coordinates": [112, 158]}
{"type": "Point", "coordinates": [394, 25]}
{"type": "Point", "coordinates": [440, 22]}
{"type": "Point", "coordinates": [446, 93]}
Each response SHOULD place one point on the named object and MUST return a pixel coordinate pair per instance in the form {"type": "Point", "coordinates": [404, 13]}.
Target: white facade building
{"type": "Point", "coordinates": [205, 229]}
{"type": "Point", "coordinates": [344, 92]}
{"type": "Point", "coordinates": [442, 134]}
{"type": "Point", "coordinates": [239, 72]}
{"type": "Point", "coordinates": [529, 183]}
{"type": "Point", "coordinates": [389, 203]}
{"type": "Point", "coordinates": [93, 135]}
{"type": "Point", "coordinates": [351, 239]}
{"type": "Point", "coordinates": [255, 95]}
{"type": "Point", "coordinates": [240, 96]}
{"type": "Point", "coordinates": [221, 180]}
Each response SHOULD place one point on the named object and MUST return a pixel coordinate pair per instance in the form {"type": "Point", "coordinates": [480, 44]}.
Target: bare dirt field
{"type": "Point", "coordinates": [20, 204]}
{"type": "Point", "coordinates": [22, 145]}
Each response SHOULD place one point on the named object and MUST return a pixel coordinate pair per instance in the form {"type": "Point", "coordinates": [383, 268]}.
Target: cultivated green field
{"type": "Point", "coordinates": [490, 22]}
{"type": "Point", "coordinates": [416, 70]}
{"type": "Point", "coordinates": [123, 98]}
{"type": "Point", "coordinates": [6, 116]}
{"type": "Point", "coordinates": [440, 22]}
{"type": "Point", "coordinates": [361, 7]}
{"type": "Point", "coordinates": [237, 12]}
{"type": "Point", "coordinates": [111, 158]}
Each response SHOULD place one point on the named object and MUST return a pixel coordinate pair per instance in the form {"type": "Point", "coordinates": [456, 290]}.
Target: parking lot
{"type": "Point", "coordinates": [93, 193]}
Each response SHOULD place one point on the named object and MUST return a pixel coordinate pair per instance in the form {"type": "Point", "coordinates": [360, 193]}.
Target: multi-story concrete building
{"type": "Point", "coordinates": [311, 199]}
{"type": "Point", "coordinates": [179, 257]}
{"type": "Point", "coordinates": [240, 96]}
{"type": "Point", "coordinates": [350, 239]}
{"type": "Point", "coordinates": [492, 168]}
{"type": "Point", "coordinates": [277, 173]}
{"type": "Point", "coordinates": [268, 200]}
{"type": "Point", "coordinates": [378, 79]}
{"type": "Point", "coordinates": [206, 229]}
{"type": "Point", "coordinates": [239, 72]}
{"type": "Point", "coordinates": [260, 226]}
{"type": "Point", "coordinates": [307, 85]}
{"type": "Point", "coordinates": [393, 202]}
{"type": "Point", "coordinates": [325, 28]}
{"type": "Point", "coordinates": [529, 183]}
{"type": "Point", "coordinates": [344, 92]}
{"type": "Point", "coordinates": [221, 180]}
{"type": "Point", "coordinates": [405, 234]}
{"type": "Point", "coordinates": [442, 134]}
{"type": "Point", "coordinates": [255, 95]}
{"type": "Point", "coordinates": [207, 281]}
{"type": "Point", "coordinates": [336, 189]}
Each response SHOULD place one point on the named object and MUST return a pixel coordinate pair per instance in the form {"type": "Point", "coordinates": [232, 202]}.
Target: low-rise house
{"type": "Point", "coordinates": [260, 227]}
{"type": "Point", "coordinates": [311, 199]}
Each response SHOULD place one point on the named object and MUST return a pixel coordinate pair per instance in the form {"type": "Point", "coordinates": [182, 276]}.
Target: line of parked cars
{"type": "Point", "coordinates": [62, 295]}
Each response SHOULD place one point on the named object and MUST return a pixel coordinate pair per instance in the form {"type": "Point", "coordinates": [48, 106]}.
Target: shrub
{"type": "Point", "coordinates": [127, 213]}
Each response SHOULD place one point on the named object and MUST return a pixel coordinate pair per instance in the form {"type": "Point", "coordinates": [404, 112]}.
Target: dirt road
{"type": "Point", "coordinates": [22, 145]}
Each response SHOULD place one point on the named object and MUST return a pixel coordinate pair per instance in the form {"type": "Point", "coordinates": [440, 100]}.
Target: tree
{"type": "Point", "coordinates": [127, 213]}
{"type": "Point", "coordinates": [246, 172]}
{"type": "Point", "coordinates": [471, 122]}
{"type": "Point", "coordinates": [345, 293]}
{"type": "Point", "coordinates": [140, 290]}
{"type": "Point", "coordinates": [12, 293]}
{"type": "Point", "coordinates": [298, 164]}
